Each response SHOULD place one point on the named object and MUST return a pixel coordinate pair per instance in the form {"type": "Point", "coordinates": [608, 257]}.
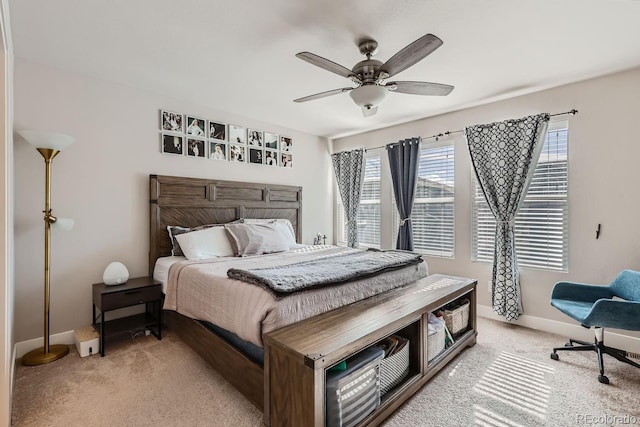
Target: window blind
{"type": "Point", "coordinates": [433, 208]}
{"type": "Point", "coordinates": [541, 226]}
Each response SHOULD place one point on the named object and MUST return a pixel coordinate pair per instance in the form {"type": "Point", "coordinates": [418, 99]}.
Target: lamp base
{"type": "Point", "coordinates": [39, 357]}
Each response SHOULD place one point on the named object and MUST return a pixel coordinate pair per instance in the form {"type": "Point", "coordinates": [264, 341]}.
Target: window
{"type": "Point", "coordinates": [369, 211]}
{"type": "Point", "coordinates": [433, 214]}
{"type": "Point", "coordinates": [541, 226]}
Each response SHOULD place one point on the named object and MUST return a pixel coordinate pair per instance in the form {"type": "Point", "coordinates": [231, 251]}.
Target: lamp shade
{"type": "Point", "coordinates": [52, 141]}
{"type": "Point", "coordinates": [368, 95]}
{"type": "Point", "coordinates": [63, 224]}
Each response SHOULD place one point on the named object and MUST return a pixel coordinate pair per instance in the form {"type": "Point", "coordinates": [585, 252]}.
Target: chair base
{"type": "Point", "coordinates": [601, 349]}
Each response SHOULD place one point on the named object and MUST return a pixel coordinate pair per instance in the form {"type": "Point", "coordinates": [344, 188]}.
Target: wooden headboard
{"type": "Point", "coordinates": [190, 202]}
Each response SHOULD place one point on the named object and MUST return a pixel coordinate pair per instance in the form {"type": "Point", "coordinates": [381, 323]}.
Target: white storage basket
{"type": "Point", "coordinates": [435, 343]}
{"type": "Point", "coordinates": [394, 368]}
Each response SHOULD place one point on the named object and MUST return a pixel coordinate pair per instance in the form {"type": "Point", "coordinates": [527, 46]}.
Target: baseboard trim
{"type": "Point", "coordinates": [25, 347]}
{"type": "Point", "coordinates": [12, 379]}
{"type": "Point", "coordinates": [566, 330]}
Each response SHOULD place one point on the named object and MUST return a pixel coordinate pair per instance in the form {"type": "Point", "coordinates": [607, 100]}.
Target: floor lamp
{"type": "Point", "coordinates": [49, 145]}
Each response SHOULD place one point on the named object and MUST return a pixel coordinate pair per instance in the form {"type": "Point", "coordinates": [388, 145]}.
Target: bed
{"type": "Point", "coordinates": [192, 202]}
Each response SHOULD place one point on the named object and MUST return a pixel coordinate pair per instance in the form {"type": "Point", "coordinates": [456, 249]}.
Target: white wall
{"type": "Point", "coordinates": [6, 218]}
{"type": "Point", "coordinates": [102, 182]}
{"type": "Point", "coordinates": [603, 182]}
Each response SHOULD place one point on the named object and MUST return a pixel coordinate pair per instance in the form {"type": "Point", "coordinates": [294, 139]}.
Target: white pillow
{"type": "Point", "coordinates": [286, 233]}
{"type": "Point", "coordinates": [208, 243]}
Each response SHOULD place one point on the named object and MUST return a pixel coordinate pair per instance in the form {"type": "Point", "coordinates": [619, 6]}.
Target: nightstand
{"type": "Point", "coordinates": [140, 290]}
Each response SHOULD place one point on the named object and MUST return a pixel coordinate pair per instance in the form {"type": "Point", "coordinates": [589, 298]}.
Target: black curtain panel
{"type": "Point", "coordinates": [504, 156]}
{"type": "Point", "coordinates": [403, 162]}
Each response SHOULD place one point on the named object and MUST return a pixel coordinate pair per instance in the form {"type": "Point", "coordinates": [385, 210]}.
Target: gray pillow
{"type": "Point", "coordinates": [176, 230]}
{"type": "Point", "coordinates": [256, 239]}
{"type": "Point", "coordinates": [284, 223]}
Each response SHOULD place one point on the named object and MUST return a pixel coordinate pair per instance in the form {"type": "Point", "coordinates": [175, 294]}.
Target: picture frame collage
{"type": "Point", "coordinates": [193, 136]}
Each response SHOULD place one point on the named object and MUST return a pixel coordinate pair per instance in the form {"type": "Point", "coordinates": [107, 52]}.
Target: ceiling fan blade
{"type": "Point", "coordinates": [370, 111]}
{"type": "Point", "coordinates": [323, 94]}
{"type": "Point", "coordinates": [411, 54]}
{"type": "Point", "coordinates": [321, 62]}
{"type": "Point", "coordinates": [420, 88]}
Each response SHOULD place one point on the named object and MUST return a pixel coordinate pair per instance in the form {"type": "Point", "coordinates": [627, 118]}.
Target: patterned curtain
{"type": "Point", "coordinates": [504, 156]}
{"type": "Point", "coordinates": [403, 162]}
{"type": "Point", "coordinates": [349, 169]}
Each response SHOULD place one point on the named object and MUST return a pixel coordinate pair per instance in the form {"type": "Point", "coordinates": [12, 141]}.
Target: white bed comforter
{"type": "Point", "coordinates": [201, 290]}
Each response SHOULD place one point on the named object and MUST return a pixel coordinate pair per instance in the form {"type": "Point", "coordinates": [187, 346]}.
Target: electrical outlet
{"type": "Point", "coordinates": [147, 332]}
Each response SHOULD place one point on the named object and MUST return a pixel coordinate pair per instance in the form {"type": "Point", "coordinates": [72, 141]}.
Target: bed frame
{"type": "Point", "coordinates": [290, 389]}
{"type": "Point", "coordinates": [191, 202]}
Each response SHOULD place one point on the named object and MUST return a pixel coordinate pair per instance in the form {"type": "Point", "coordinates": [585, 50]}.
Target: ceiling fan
{"type": "Point", "coordinates": [369, 74]}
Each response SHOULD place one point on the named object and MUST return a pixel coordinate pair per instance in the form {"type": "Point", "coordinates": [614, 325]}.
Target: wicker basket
{"type": "Point", "coordinates": [394, 368]}
{"type": "Point", "coordinates": [457, 319]}
{"type": "Point", "coordinates": [435, 343]}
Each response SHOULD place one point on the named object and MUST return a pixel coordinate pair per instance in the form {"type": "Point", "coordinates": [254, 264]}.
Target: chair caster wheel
{"type": "Point", "coordinates": [554, 356]}
{"type": "Point", "coordinates": [603, 379]}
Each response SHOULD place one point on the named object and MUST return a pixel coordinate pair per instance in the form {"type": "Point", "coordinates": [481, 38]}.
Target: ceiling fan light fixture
{"type": "Point", "coordinates": [369, 75]}
{"type": "Point", "coordinates": [368, 96]}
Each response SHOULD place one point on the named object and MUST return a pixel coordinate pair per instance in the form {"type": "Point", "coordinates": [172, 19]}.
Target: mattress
{"type": "Point", "coordinates": [161, 269]}
{"type": "Point", "coordinates": [201, 290]}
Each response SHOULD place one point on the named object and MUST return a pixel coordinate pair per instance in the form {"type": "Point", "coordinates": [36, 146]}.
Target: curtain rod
{"type": "Point", "coordinates": [572, 112]}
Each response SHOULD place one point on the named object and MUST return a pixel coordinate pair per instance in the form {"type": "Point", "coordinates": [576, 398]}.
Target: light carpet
{"type": "Point", "coordinates": [506, 380]}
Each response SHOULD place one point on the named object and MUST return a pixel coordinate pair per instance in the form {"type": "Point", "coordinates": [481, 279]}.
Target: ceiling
{"type": "Point", "coordinates": [239, 56]}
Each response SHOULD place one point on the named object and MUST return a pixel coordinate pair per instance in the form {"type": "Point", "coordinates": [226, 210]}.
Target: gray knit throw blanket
{"type": "Point", "coordinates": [285, 279]}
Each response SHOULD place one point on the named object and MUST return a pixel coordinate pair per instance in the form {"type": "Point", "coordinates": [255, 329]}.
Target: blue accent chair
{"type": "Point", "coordinates": [594, 305]}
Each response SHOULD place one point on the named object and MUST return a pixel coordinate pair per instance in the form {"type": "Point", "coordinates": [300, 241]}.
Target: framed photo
{"type": "Point", "coordinates": [195, 126]}
{"type": "Point", "coordinates": [286, 144]}
{"type": "Point", "coordinates": [237, 134]}
{"type": "Point", "coordinates": [286, 160]}
{"type": "Point", "coordinates": [270, 158]}
{"type": "Point", "coordinates": [171, 144]}
{"type": "Point", "coordinates": [217, 150]}
{"type": "Point", "coordinates": [196, 147]}
{"type": "Point", "coordinates": [237, 153]}
{"type": "Point", "coordinates": [171, 122]}
{"type": "Point", "coordinates": [270, 141]}
{"type": "Point", "coordinates": [255, 138]}
{"type": "Point", "coordinates": [256, 156]}
{"type": "Point", "coordinates": [217, 131]}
